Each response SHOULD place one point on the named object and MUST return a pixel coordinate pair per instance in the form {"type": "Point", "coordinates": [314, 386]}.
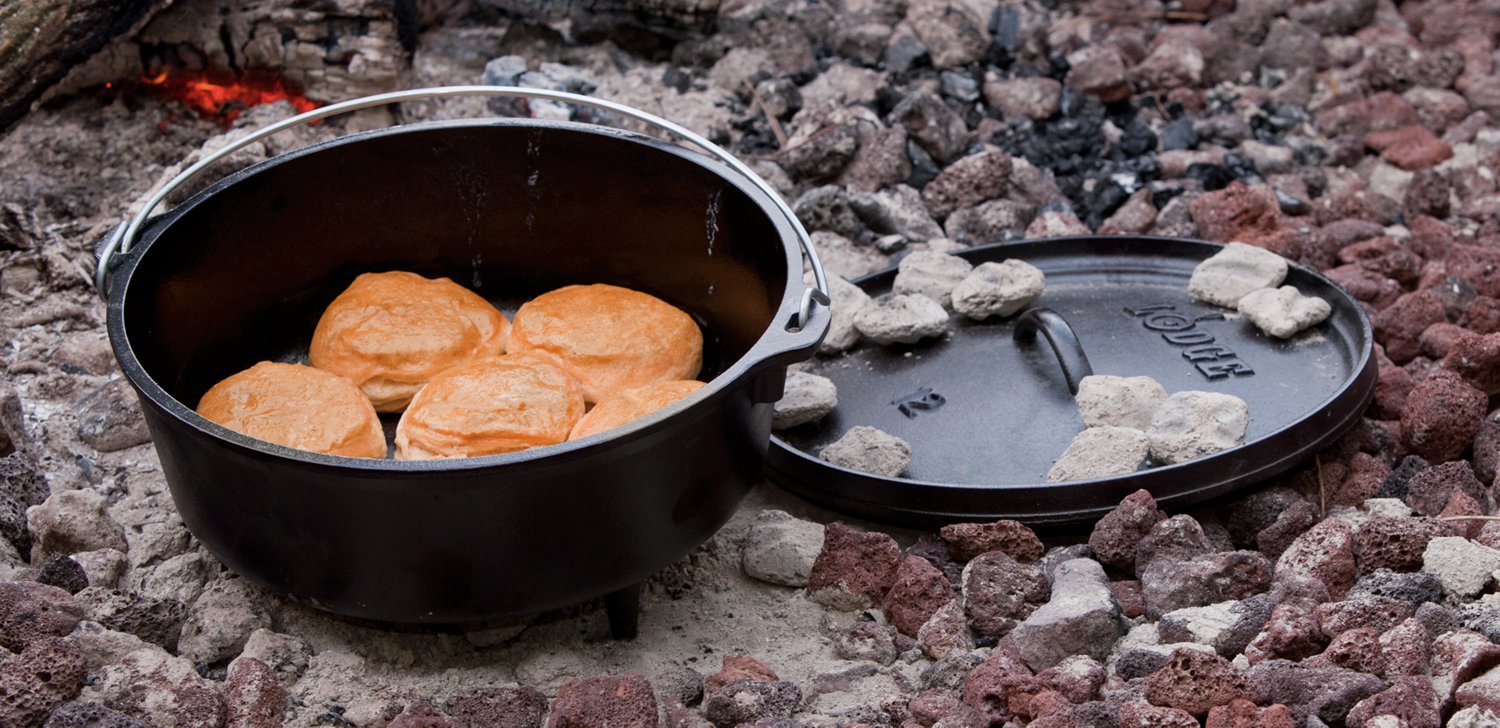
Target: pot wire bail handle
{"type": "Point", "coordinates": [122, 237]}
{"type": "Point", "coordinates": [1065, 344]}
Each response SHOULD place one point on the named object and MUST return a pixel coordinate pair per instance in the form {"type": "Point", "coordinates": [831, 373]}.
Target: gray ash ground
{"type": "Point", "coordinates": [1360, 589]}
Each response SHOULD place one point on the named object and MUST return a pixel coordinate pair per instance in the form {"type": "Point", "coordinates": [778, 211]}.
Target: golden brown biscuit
{"type": "Point", "coordinates": [628, 405]}
{"type": "Point", "coordinates": [297, 406]}
{"type": "Point", "coordinates": [391, 332]}
{"type": "Point", "coordinates": [491, 405]}
{"type": "Point", "coordinates": [610, 338]}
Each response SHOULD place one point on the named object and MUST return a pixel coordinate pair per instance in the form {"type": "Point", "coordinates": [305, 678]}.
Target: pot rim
{"type": "Point", "coordinates": [776, 345]}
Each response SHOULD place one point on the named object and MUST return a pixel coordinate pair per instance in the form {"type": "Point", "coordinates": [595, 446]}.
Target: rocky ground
{"type": "Point", "coordinates": [1354, 136]}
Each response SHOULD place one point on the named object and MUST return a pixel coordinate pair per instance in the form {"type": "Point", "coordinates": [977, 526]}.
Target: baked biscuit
{"type": "Point", "coordinates": [491, 405]}
{"type": "Point", "coordinates": [391, 332]}
{"type": "Point", "coordinates": [297, 406]}
{"type": "Point", "coordinates": [610, 338]}
{"type": "Point", "coordinates": [628, 405]}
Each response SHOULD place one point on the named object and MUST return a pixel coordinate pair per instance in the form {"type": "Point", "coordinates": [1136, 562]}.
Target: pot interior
{"type": "Point", "coordinates": [242, 272]}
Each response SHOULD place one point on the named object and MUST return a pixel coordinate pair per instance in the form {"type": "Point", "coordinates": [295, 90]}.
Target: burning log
{"type": "Point", "coordinates": [41, 41]}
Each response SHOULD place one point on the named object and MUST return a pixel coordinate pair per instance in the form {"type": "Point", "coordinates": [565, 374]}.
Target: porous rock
{"type": "Point", "coordinates": [854, 569]}
{"type": "Point", "coordinates": [869, 450]}
{"type": "Point", "coordinates": [1169, 584]}
{"type": "Point", "coordinates": [1116, 537]}
{"type": "Point", "coordinates": [918, 590]}
{"type": "Point", "coordinates": [1196, 681]}
{"type": "Point", "coordinates": [931, 274]}
{"type": "Point", "coordinates": [998, 289]}
{"type": "Point", "coordinates": [946, 632]}
{"type": "Point", "coordinates": [807, 398]}
{"type": "Point", "coordinates": [30, 611]}
{"type": "Point", "coordinates": [79, 714]}
{"type": "Point", "coordinates": [109, 418]}
{"type": "Point", "coordinates": [997, 590]}
{"type": "Point", "coordinates": [519, 707]}
{"type": "Point", "coordinates": [1100, 452]}
{"type": "Point", "coordinates": [22, 485]}
{"type": "Point", "coordinates": [1193, 424]}
{"type": "Point", "coordinates": [70, 521]}
{"type": "Point", "coordinates": [968, 540]}
{"type": "Point", "coordinates": [152, 686]}
{"type": "Point", "coordinates": [901, 319]}
{"type": "Point", "coordinates": [1441, 415]}
{"type": "Point", "coordinates": [1105, 400]}
{"type": "Point", "coordinates": [253, 696]}
{"type": "Point", "coordinates": [1283, 312]}
{"type": "Point", "coordinates": [1326, 693]}
{"type": "Point", "coordinates": [780, 548]}
{"type": "Point", "coordinates": [221, 619]}
{"type": "Point", "coordinates": [614, 700]}
{"type": "Point", "coordinates": [1463, 567]}
{"type": "Point", "coordinates": [158, 621]}
{"type": "Point", "coordinates": [1081, 617]}
{"type": "Point", "coordinates": [1232, 273]}
{"type": "Point", "coordinates": [1394, 543]}
{"type": "Point", "coordinates": [1325, 553]}
{"type": "Point", "coordinates": [745, 701]}
{"type": "Point", "coordinates": [968, 181]}
{"type": "Point", "coordinates": [1226, 626]}
{"type": "Point", "coordinates": [46, 674]}
{"type": "Point", "coordinates": [1411, 700]}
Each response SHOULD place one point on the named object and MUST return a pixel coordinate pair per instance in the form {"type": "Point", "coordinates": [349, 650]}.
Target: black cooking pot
{"type": "Point", "coordinates": [512, 208]}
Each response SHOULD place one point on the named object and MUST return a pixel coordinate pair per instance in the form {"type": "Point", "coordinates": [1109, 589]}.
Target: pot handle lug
{"type": "Point", "coordinates": [1064, 341]}
{"type": "Point", "coordinates": [120, 240]}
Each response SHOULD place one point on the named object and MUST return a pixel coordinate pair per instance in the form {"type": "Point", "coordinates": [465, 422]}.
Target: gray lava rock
{"type": "Point", "coordinates": [997, 589]}
{"type": "Point", "coordinates": [847, 301]}
{"type": "Point", "coordinates": [1082, 617]}
{"type": "Point", "coordinates": [869, 450]}
{"type": "Point", "coordinates": [807, 398]}
{"type": "Point", "coordinates": [1191, 425]}
{"type": "Point", "coordinates": [1326, 693]}
{"type": "Point", "coordinates": [63, 573]}
{"type": "Point", "coordinates": [822, 141]}
{"type": "Point", "coordinates": [1231, 274]}
{"type": "Point", "coordinates": [867, 641]}
{"type": "Point", "coordinates": [1463, 567]}
{"type": "Point", "coordinates": [30, 611]}
{"type": "Point", "coordinates": [21, 486]}
{"type": "Point", "coordinates": [780, 548]}
{"type": "Point", "coordinates": [1105, 400]}
{"type": "Point", "coordinates": [931, 274]}
{"type": "Point", "coordinates": [946, 634]}
{"type": "Point", "coordinates": [749, 701]}
{"type": "Point", "coordinates": [221, 619]}
{"type": "Point", "coordinates": [521, 707]}
{"type": "Point", "coordinates": [929, 122]}
{"type": "Point", "coordinates": [102, 567]}
{"type": "Point", "coordinates": [1283, 312]}
{"type": "Point", "coordinates": [828, 208]}
{"type": "Point", "coordinates": [1100, 452]}
{"type": "Point", "coordinates": [1116, 537]}
{"type": "Point", "coordinates": [90, 715]}
{"type": "Point", "coordinates": [70, 521]}
{"type": "Point", "coordinates": [158, 621]}
{"type": "Point", "coordinates": [1168, 584]}
{"type": "Point", "coordinates": [109, 418]}
{"type": "Point", "coordinates": [1227, 627]}
{"type": "Point", "coordinates": [898, 210]}
{"type": "Point", "coordinates": [286, 654]}
{"type": "Point", "coordinates": [901, 319]}
{"type": "Point", "coordinates": [1412, 588]}
{"type": "Point", "coordinates": [998, 289]}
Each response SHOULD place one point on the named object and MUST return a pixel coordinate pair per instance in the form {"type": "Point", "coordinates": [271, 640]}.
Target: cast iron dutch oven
{"type": "Point", "coordinates": [240, 273]}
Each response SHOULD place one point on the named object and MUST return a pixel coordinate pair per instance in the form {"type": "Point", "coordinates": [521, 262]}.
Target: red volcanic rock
{"type": "Point", "coordinates": [1394, 543]}
{"type": "Point", "coordinates": [920, 589]}
{"type": "Point", "coordinates": [1326, 553]}
{"type": "Point", "coordinates": [1196, 681]}
{"type": "Point", "coordinates": [967, 540]}
{"type": "Point", "coordinates": [613, 700]}
{"type": "Point", "coordinates": [855, 568]}
{"type": "Point", "coordinates": [1477, 264]}
{"type": "Point", "coordinates": [1356, 649]}
{"type": "Point", "coordinates": [736, 668]}
{"type": "Point", "coordinates": [1477, 359]}
{"type": "Point", "coordinates": [1381, 112]}
{"type": "Point", "coordinates": [1410, 699]}
{"type": "Point", "coordinates": [1406, 649]}
{"type": "Point", "coordinates": [1399, 327]}
{"type": "Point", "coordinates": [1139, 714]}
{"type": "Point", "coordinates": [30, 611]}
{"type": "Point", "coordinates": [1365, 285]}
{"type": "Point", "coordinates": [1441, 416]}
{"type": "Point", "coordinates": [1412, 147]}
{"type": "Point", "coordinates": [1428, 491]}
{"type": "Point", "coordinates": [253, 695]}
{"type": "Point", "coordinates": [1238, 212]}
{"type": "Point", "coordinates": [1117, 535]}
{"type": "Point", "coordinates": [499, 708]}
{"type": "Point", "coordinates": [1241, 713]}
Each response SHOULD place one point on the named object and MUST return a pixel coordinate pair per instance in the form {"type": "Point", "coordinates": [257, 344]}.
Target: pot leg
{"type": "Point", "coordinates": [623, 609]}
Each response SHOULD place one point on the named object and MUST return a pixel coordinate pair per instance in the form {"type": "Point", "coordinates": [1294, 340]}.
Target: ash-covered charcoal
{"type": "Point", "coordinates": [1191, 425]}
{"type": "Point", "coordinates": [900, 319]}
{"type": "Point", "coordinates": [1110, 401]}
{"type": "Point", "coordinates": [1283, 312]}
{"type": "Point", "coordinates": [1099, 452]}
{"type": "Point", "coordinates": [1235, 271]}
{"type": "Point", "coordinates": [998, 289]}
{"type": "Point", "coordinates": [808, 398]}
{"type": "Point", "coordinates": [869, 450]}
{"type": "Point", "coordinates": [931, 274]}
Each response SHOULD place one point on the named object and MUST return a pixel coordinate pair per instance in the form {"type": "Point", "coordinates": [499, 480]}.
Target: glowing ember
{"type": "Point", "coordinates": [224, 96]}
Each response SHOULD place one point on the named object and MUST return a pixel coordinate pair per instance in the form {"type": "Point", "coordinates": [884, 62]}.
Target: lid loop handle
{"type": "Point", "coordinates": [1065, 344]}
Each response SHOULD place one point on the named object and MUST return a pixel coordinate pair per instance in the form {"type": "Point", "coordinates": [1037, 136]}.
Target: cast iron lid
{"type": "Point", "coordinates": [988, 409]}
